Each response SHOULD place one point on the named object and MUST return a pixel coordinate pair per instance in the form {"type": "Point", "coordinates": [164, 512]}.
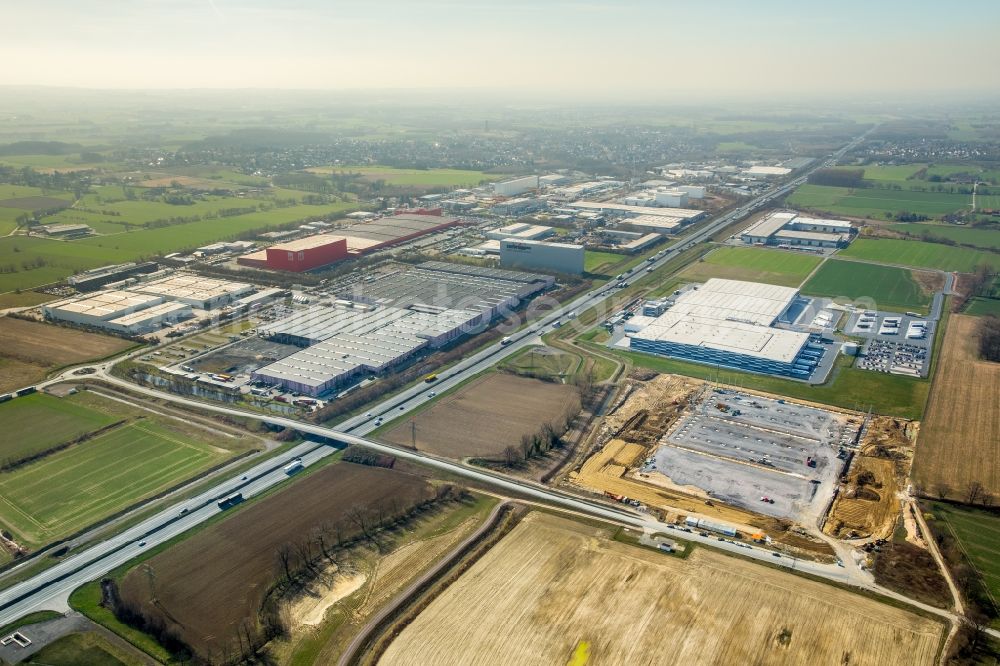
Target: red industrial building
{"type": "Point", "coordinates": [306, 254]}
{"type": "Point", "coordinates": [317, 251]}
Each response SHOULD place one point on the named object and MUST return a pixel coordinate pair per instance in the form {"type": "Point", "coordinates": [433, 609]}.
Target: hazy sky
{"type": "Point", "coordinates": [636, 47]}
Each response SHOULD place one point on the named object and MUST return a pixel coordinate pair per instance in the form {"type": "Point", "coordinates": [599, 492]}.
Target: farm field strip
{"type": "Point", "coordinates": [779, 267]}
{"type": "Point", "coordinates": [920, 254]}
{"type": "Point", "coordinates": [92, 479]}
{"type": "Point", "coordinates": [979, 534]}
{"type": "Point", "coordinates": [886, 286]}
{"type": "Point", "coordinates": [984, 238]}
{"type": "Point", "coordinates": [485, 416]}
{"type": "Point", "coordinates": [237, 557]}
{"type": "Point", "coordinates": [957, 446]}
{"type": "Point", "coordinates": [64, 421]}
{"type": "Point", "coordinates": [864, 202]}
{"type": "Point", "coordinates": [553, 584]}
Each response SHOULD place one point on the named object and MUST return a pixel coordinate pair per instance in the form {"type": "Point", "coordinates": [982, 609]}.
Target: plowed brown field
{"type": "Point", "coordinates": [552, 585]}
{"type": "Point", "coordinates": [486, 416]}
{"type": "Point", "coordinates": [959, 440]}
{"type": "Point", "coordinates": [206, 586]}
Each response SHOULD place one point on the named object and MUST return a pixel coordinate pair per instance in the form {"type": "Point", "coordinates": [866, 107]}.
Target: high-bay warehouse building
{"type": "Point", "coordinates": [536, 255]}
{"type": "Point", "coordinates": [382, 324]}
{"type": "Point", "coordinates": [788, 228]}
{"type": "Point", "coordinates": [515, 186]}
{"type": "Point", "coordinates": [730, 324]}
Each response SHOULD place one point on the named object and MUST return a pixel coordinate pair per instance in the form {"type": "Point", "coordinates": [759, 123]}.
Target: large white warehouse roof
{"type": "Point", "coordinates": [736, 300]}
{"type": "Point", "coordinates": [730, 315]}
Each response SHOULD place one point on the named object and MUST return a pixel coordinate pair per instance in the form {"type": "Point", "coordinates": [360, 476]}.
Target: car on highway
{"type": "Point", "coordinates": [431, 394]}
{"type": "Point", "coordinates": [142, 543]}
{"type": "Point", "coordinates": [775, 554]}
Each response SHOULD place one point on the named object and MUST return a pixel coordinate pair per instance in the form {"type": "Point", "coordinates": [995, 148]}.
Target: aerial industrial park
{"type": "Point", "coordinates": [370, 376]}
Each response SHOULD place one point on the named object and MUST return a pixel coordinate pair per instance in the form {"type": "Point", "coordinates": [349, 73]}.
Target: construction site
{"type": "Point", "coordinates": [867, 504]}
{"type": "Point", "coordinates": [765, 466]}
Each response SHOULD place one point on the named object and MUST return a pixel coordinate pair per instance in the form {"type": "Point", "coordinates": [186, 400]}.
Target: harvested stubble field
{"type": "Point", "coordinates": [553, 584]}
{"type": "Point", "coordinates": [31, 349]}
{"type": "Point", "coordinates": [206, 586]}
{"type": "Point", "coordinates": [960, 438]}
{"type": "Point", "coordinates": [486, 416]}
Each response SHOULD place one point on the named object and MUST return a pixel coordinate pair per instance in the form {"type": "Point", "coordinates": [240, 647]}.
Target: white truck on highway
{"type": "Point", "coordinates": [293, 467]}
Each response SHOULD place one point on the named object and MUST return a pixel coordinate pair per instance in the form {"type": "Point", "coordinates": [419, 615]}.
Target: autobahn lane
{"type": "Point", "coordinates": [180, 517]}
{"type": "Point", "coordinates": [53, 584]}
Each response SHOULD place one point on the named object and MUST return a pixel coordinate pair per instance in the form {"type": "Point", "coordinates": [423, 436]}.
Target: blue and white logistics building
{"type": "Point", "coordinates": [729, 323]}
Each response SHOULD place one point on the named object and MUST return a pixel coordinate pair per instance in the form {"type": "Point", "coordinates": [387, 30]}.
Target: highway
{"type": "Point", "coordinates": [50, 588]}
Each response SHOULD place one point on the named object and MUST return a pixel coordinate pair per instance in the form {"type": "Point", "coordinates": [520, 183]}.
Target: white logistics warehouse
{"type": "Point", "coordinates": [729, 323]}
{"type": "Point", "coordinates": [119, 311]}
{"type": "Point", "coordinates": [557, 257]}
{"type": "Point", "coordinates": [195, 290]}
{"type": "Point", "coordinates": [515, 186]}
{"type": "Point", "coordinates": [348, 340]}
{"type": "Point", "coordinates": [791, 229]}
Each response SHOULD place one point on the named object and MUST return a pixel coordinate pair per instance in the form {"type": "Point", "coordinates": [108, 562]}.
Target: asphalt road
{"type": "Point", "coordinates": [50, 588]}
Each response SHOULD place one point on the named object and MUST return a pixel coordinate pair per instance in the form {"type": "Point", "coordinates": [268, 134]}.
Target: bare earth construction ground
{"type": "Point", "coordinates": [553, 585]}
{"type": "Point", "coordinates": [485, 416]}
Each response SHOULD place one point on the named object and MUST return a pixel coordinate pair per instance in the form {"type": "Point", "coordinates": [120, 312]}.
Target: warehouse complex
{"type": "Point", "coordinates": [349, 340]}
{"type": "Point", "coordinates": [488, 290]}
{"type": "Point", "coordinates": [147, 306]}
{"type": "Point", "coordinates": [558, 257]}
{"type": "Point", "coordinates": [196, 290]}
{"type": "Point", "coordinates": [729, 323]}
{"type": "Point", "coordinates": [125, 312]}
{"type": "Point", "coordinates": [96, 278]}
{"type": "Point", "coordinates": [320, 250]}
{"type": "Point", "coordinates": [382, 324]}
{"type": "Point", "coordinates": [788, 228]}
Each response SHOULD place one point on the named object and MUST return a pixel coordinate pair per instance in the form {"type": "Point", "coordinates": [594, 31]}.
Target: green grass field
{"type": "Point", "coordinates": [599, 263]}
{"type": "Point", "coordinates": [979, 534]}
{"type": "Point", "coordinates": [548, 362]}
{"type": "Point", "coordinates": [61, 258]}
{"type": "Point", "coordinates": [62, 493]}
{"type": "Point", "coordinates": [850, 388]}
{"type": "Point", "coordinates": [920, 254]}
{"type": "Point", "coordinates": [875, 202]}
{"type": "Point", "coordinates": [887, 286]}
{"type": "Point", "coordinates": [63, 421]}
{"type": "Point", "coordinates": [414, 177]}
{"type": "Point", "coordinates": [983, 306]}
{"type": "Point", "coordinates": [891, 173]}
{"type": "Point", "coordinates": [779, 267]}
{"type": "Point", "coordinates": [985, 238]}
{"type": "Point", "coordinates": [89, 649]}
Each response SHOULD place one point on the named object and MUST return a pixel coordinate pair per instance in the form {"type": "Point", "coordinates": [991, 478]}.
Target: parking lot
{"type": "Point", "coordinates": [899, 358]}
{"type": "Point", "coordinates": [894, 343]}
{"type": "Point", "coordinates": [742, 448]}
